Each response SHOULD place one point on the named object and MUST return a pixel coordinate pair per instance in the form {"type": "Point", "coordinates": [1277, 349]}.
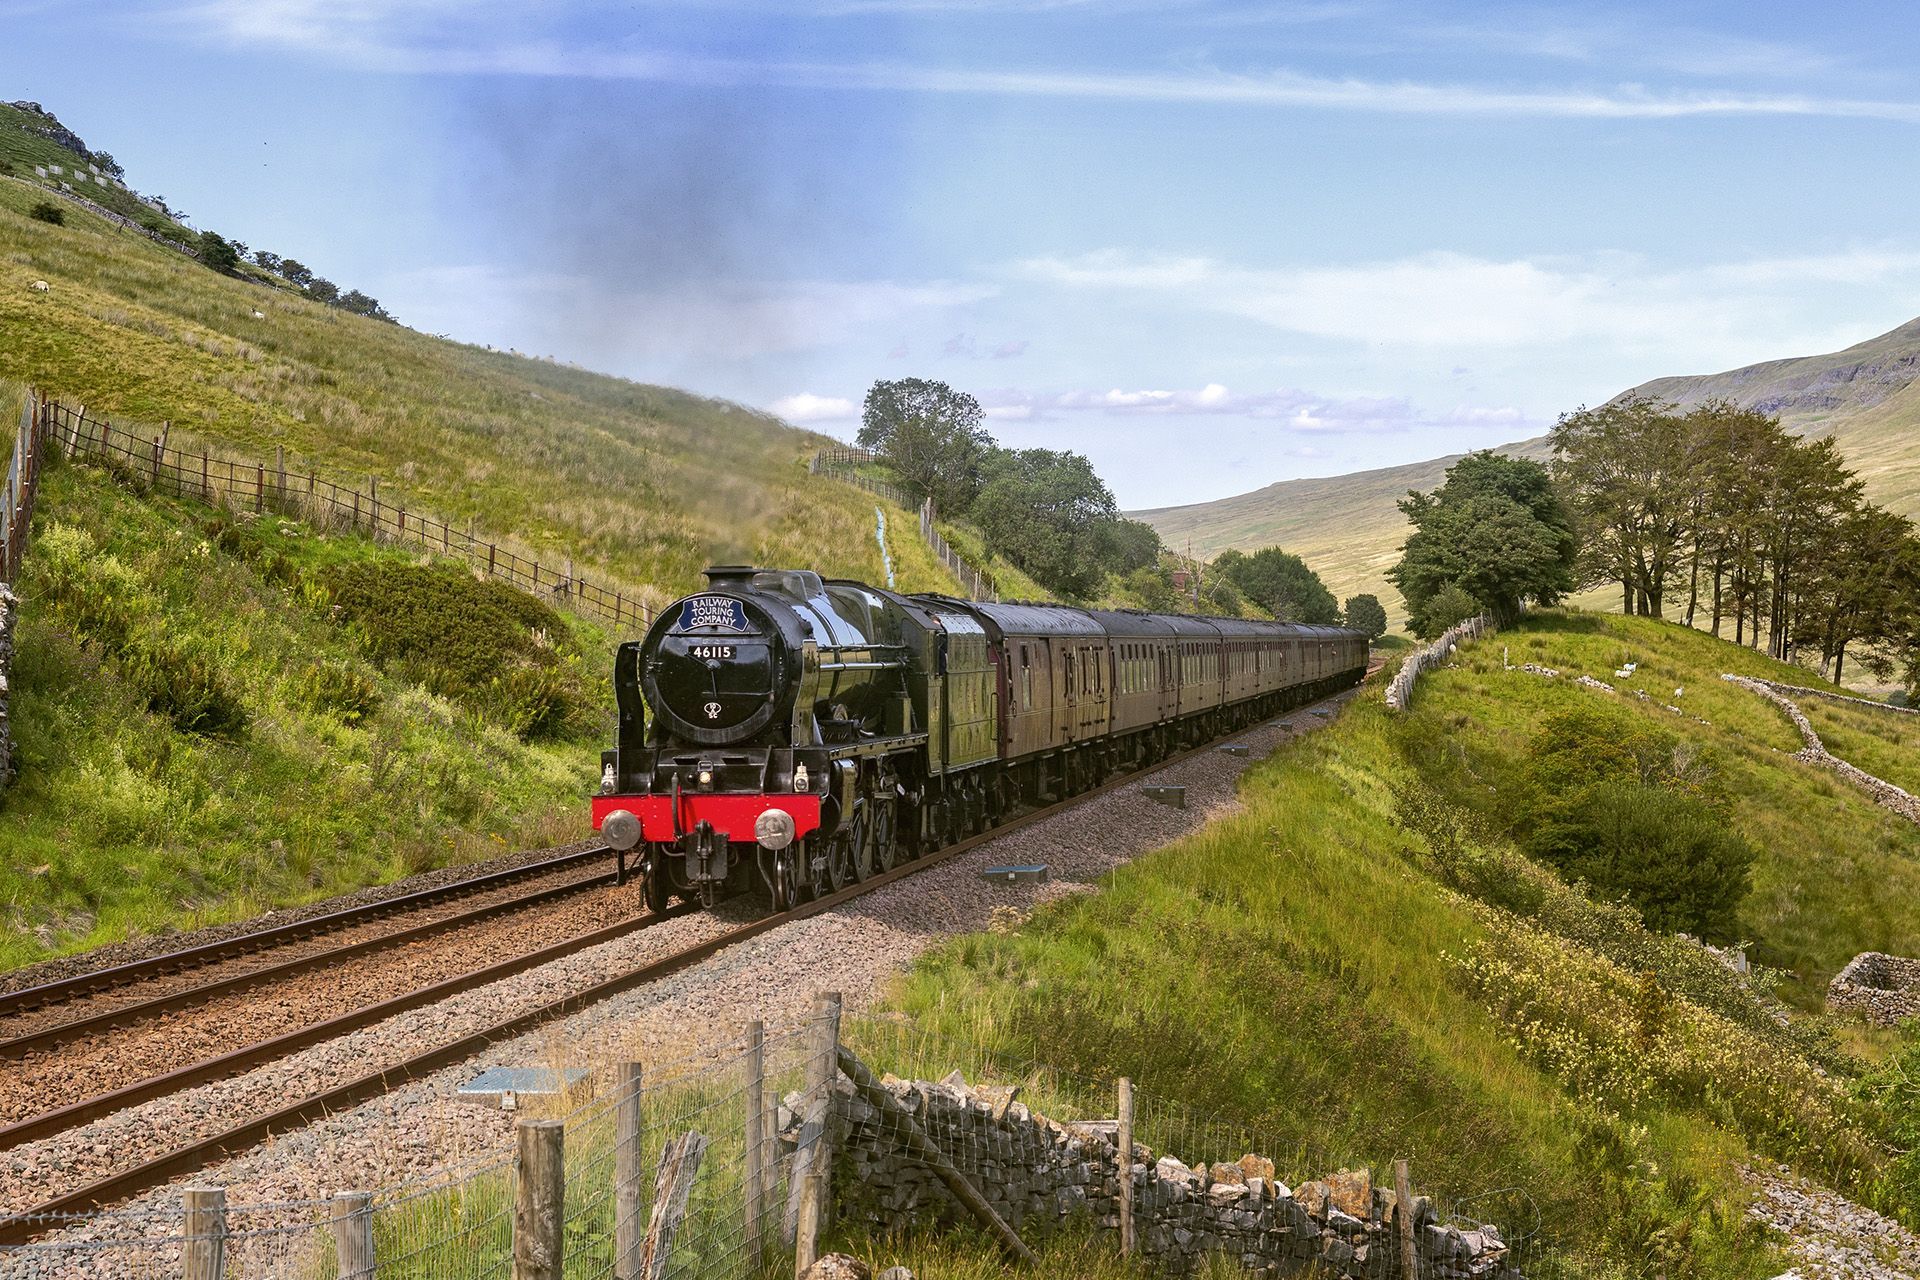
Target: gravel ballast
{"type": "Point", "coordinates": [854, 949]}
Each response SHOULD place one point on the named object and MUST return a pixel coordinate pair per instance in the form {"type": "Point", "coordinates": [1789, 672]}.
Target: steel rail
{"type": "Point", "coordinates": [81, 984]}
{"type": "Point", "coordinates": [125, 1015]}
{"type": "Point", "coordinates": [22, 1227]}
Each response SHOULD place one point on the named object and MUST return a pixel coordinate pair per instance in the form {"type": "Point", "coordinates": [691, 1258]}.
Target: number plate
{"type": "Point", "coordinates": [711, 650]}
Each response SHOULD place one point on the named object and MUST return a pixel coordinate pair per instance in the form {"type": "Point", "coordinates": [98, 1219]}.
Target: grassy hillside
{"type": "Point", "coordinates": [1347, 527]}
{"type": "Point", "coordinates": [642, 485]}
{"type": "Point", "coordinates": [1359, 964]}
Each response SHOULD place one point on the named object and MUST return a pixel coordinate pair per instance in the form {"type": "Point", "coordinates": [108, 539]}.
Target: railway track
{"type": "Point", "coordinates": [80, 985]}
{"type": "Point", "coordinates": [193, 1155]}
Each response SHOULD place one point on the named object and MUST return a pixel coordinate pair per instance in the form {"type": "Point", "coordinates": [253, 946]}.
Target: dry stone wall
{"type": "Point", "coordinates": [1040, 1175]}
{"type": "Point", "coordinates": [1883, 793]}
{"type": "Point", "coordinates": [1400, 692]}
{"type": "Point", "coordinates": [1881, 988]}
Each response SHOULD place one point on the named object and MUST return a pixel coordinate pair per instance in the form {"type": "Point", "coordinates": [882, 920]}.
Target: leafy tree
{"type": "Point", "coordinates": [1153, 588]}
{"type": "Point", "coordinates": [1135, 545]}
{"type": "Point", "coordinates": [361, 305]}
{"type": "Point", "coordinates": [108, 164]}
{"type": "Point", "coordinates": [240, 249]}
{"type": "Point", "coordinates": [1447, 608]}
{"type": "Point", "coordinates": [1366, 613]}
{"type": "Point", "coordinates": [930, 435]}
{"type": "Point", "coordinates": [1628, 468]}
{"type": "Point", "coordinates": [1279, 582]}
{"type": "Point", "coordinates": [215, 252]}
{"type": "Point", "coordinates": [1497, 530]}
{"type": "Point", "coordinates": [321, 289]}
{"type": "Point", "coordinates": [48, 211]}
{"type": "Point", "coordinates": [270, 261]}
{"type": "Point", "coordinates": [1050, 514]}
{"type": "Point", "coordinates": [296, 272]}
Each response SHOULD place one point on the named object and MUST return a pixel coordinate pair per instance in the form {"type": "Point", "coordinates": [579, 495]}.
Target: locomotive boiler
{"type": "Point", "coordinates": [787, 734]}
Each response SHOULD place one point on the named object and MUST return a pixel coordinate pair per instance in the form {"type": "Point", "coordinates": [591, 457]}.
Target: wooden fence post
{"type": "Point", "coordinates": [811, 1190]}
{"type": "Point", "coordinates": [259, 486]}
{"type": "Point", "coordinates": [628, 1169]}
{"type": "Point", "coordinates": [353, 1235]}
{"type": "Point", "coordinates": [539, 1200]}
{"type": "Point", "coordinates": [1403, 1220]}
{"type": "Point", "coordinates": [280, 473]}
{"type": "Point", "coordinates": [491, 550]}
{"type": "Point", "coordinates": [756, 1099]}
{"type": "Point", "coordinates": [204, 1255]}
{"type": "Point", "coordinates": [1124, 1146]}
{"type": "Point", "coordinates": [159, 448]}
{"type": "Point", "coordinates": [806, 1246]}
{"type": "Point", "coordinates": [206, 478]}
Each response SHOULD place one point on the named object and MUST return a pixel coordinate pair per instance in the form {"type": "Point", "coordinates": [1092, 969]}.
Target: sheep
{"type": "Point", "coordinates": [39, 286]}
{"type": "Point", "coordinates": [259, 315]}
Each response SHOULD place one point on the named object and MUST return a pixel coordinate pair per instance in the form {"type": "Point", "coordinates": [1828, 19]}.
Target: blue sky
{"type": "Point", "coordinates": [1211, 245]}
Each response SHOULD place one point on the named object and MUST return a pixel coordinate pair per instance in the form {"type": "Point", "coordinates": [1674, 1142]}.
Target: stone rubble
{"type": "Point", "coordinates": [1040, 1174]}
{"type": "Point", "coordinates": [9, 607]}
{"type": "Point", "coordinates": [1829, 1236]}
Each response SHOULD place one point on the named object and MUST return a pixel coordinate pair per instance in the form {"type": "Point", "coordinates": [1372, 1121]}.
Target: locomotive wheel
{"type": "Point", "coordinates": [860, 840]}
{"type": "Point", "coordinates": [658, 892]}
{"type": "Point", "coordinates": [787, 870]}
{"type": "Point", "coordinates": [839, 870]}
{"type": "Point", "coordinates": [884, 835]}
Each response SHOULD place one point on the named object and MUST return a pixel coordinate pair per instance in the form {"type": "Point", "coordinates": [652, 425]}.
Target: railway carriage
{"type": "Point", "coordinates": [788, 734]}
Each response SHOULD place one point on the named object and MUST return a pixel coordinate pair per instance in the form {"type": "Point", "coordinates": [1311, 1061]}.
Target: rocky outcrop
{"type": "Point", "coordinates": [1040, 1175]}
{"type": "Point", "coordinates": [49, 127]}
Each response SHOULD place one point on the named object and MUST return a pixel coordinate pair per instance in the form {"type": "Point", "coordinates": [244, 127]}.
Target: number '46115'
{"type": "Point", "coordinates": [712, 651]}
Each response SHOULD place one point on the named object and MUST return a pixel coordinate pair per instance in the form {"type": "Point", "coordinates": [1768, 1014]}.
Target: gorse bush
{"type": "Point", "coordinates": [48, 211]}
{"type": "Point", "coordinates": [480, 642]}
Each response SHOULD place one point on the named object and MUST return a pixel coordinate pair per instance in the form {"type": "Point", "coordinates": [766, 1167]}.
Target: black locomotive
{"type": "Point", "coordinates": [808, 733]}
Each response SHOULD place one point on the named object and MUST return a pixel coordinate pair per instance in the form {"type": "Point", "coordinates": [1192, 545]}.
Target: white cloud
{"type": "Point", "coordinates": [1445, 301]}
{"type": "Point", "coordinates": [807, 407]}
{"type": "Point", "coordinates": [1292, 408]}
{"type": "Point", "coordinates": [443, 37]}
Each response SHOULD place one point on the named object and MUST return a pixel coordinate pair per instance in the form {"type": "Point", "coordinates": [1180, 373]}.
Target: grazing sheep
{"type": "Point", "coordinates": [39, 286]}
{"type": "Point", "coordinates": [259, 315]}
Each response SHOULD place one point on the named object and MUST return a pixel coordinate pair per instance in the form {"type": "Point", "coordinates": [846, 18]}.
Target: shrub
{"type": "Point", "coordinates": [48, 211]}
{"type": "Point", "coordinates": [338, 688]}
{"type": "Point", "coordinates": [1444, 609]}
{"type": "Point", "coordinates": [478, 641]}
{"type": "Point", "coordinates": [186, 684]}
{"type": "Point", "coordinates": [1634, 812]}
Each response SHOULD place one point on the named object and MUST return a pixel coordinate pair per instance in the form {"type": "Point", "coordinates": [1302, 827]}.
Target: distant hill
{"type": "Point", "coordinates": [1866, 397]}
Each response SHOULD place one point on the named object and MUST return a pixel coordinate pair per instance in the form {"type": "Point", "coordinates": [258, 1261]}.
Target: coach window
{"type": "Point", "coordinates": [1026, 680]}
{"type": "Point", "coordinates": [1067, 670]}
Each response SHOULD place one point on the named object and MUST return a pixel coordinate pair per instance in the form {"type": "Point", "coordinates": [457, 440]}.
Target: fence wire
{"type": "Point", "coordinates": [694, 1171]}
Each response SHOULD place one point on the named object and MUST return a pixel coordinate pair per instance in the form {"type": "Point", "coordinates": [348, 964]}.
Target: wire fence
{"type": "Point", "coordinates": [260, 487]}
{"type": "Point", "coordinates": [843, 463]}
{"type": "Point", "coordinates": [731, 1164]}
{"type": "Point", "coordinates": [23, 484]}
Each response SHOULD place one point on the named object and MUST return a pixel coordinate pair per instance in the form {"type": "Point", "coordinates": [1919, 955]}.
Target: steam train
{"type": "Point", "coordinates": [809, 733]}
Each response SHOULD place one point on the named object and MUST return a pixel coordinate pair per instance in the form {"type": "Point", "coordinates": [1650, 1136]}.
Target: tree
{"type": "Point", "coordinates": [297, 273]}
{"type": "Point", "coordinates": [108, 164]}
{"type": "Point", "coordinates": [1497, 530]}
{"type": "Point", "coordinates": [215, 252]}
{"type": "Point", "coordinates": [931, 437]}
{"type": "Point", "coordinates": [1279, 582]}
{"type": "Point", "coordinates": [1135, 545]}
{"type": "Point", "coordinates": [1447, 608]}
{"type": "Point", "coordinates": [270, 261]}
{"type": "Point", "coordinates": [361, 305]}
{"type": "Point", "coordinates": [1050, 514]}
{"type": "Point", "coordinates": [1627, 468]}
{"type": "Point", "coordinates": [321, 289]}
{"type": "Point", "coordinates": [1366, 613]}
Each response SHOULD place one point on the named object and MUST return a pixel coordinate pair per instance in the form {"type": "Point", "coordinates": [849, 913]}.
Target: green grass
{"type": "Point", "coordinates": [1884, 743]}
{"type": "Point", "coordinates": [23, 150]}
{"type": "Point", "coordinates": [1356, 965]}
{"type": "Point", "coordinates": [642, 485]}
{"type": "Point", "coordinates": [121, 823]}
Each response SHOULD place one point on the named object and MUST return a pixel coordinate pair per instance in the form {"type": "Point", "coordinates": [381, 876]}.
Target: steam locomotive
{"type": "Point", "coordinates": [809, 733]}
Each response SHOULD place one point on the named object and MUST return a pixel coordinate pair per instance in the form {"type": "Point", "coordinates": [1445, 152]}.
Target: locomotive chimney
{"type": "Point", "coordinates": [723, 573]}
